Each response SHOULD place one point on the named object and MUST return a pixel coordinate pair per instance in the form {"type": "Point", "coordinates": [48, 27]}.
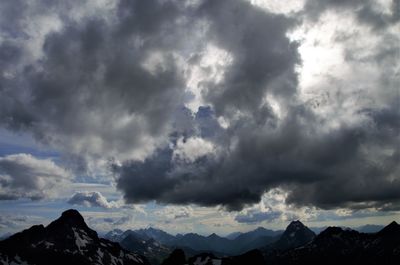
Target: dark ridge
{"type": "Point", "coordinates": [331, 230]}
{"type": "Point", "coordinates": [390, 229]}
{"type": "Point", "coordinates": [177, 257]}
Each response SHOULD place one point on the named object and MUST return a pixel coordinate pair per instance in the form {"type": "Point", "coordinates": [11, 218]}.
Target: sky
{"type": "Point", "coordinates": [200, 116]}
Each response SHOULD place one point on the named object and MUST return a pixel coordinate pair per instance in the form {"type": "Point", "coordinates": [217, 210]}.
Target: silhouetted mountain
{"type": "Point", "coordinates": [254, 239]}
{"type": "Point", "coordinates": [258, 232]}
{"type": "Point", "coordinates": [336, 245]}
{"type": "Point", "coordinates": [253, 257]}
{"type": "Point", "coordinates": [150, 248]}
{"type": "Point", "coordinates": [295, 235]}
{"type": "Point", "coordinates": [177, 257]}
{"type": "Point", "coordinates": [213, 243]}
{"type": "Point", "coordinates": [157, 234]}
{"type": "Point", "coordinates": [114, 235]}
{"type": "Point", "coordinates": [67, 240]}
{"type": "Point", "coordinates": [233, 235]}
{"type": "Point", "coordinates": [193, 243]}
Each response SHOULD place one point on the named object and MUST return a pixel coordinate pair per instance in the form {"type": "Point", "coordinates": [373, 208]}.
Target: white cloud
{"type": "Point", "coordinates": [175, 212]}
{"type": "Point", "coordinates": [93, 199]}
{"type": "Point", "coordinates": [192, 149]}
{"type": "Point", "coordinates": [25, 176]}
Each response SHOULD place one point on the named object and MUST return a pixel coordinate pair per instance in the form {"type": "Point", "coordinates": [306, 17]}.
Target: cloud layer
{"type": "Point", "coordinates": [24, 176]}
{"type": "Point", "coordinates": [192, 105]}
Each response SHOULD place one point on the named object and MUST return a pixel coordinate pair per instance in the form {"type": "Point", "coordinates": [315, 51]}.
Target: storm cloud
{"type": "Point", "coordinates": [205, 102]}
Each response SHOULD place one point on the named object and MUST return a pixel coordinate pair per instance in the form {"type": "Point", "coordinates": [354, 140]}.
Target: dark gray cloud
{"type": "Point", "coordinates": [264, 59]}
{"type": "Point", "coordinates": [260, 150]}
{"type": "Point", "coordinates": [94, 77]}
{"type": "Point", "coordinates": [24, 176]}
{"type": "Point", "coordinates": [115, 86]}
{"type": "Point", "coordinates": [297, 156]}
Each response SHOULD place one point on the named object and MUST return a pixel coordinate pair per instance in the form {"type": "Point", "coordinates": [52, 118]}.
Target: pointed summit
{"type": "Point", "coordinates": [67, 240]}
{"type": "Point", "coordinates": [213, 235]}
{"type": "Point", "coordinates": [391, 229]}
{"type": "Point", "coordinates": [69, 220]}
{"type": "Point", "coordinates": [295, 235]}
{"type": "Point", "coordinates": [295, 225]}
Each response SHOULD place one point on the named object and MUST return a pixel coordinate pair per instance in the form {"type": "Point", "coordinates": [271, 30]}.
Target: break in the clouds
{"type": "Point", "coordinates": [209, 102]}
{"type": "Point", "coordinates": [24, 176]}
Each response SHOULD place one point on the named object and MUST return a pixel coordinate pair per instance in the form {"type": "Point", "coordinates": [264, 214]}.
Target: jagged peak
{"type": "Point", "coordinates": [70, 219]}
{"type": "Point", "coordinates": [295, 225]}
{"type": "Point", "coordinates": [213, 235]}
{"type": "Point", "coordinates": [390, 228]}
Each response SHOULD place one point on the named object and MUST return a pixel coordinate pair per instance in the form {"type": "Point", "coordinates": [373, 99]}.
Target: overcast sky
{"type": "Point", "coordinates": [199, 115]}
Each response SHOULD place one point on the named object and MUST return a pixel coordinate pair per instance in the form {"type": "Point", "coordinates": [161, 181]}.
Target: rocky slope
{"type": "Point", "coordinates": [67, 240]}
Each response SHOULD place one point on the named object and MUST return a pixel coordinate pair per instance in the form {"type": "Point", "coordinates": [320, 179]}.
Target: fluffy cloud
{"type": "Point", "coordinates": [91, 93]}
{"type": "Point", "coordinates": [192, 149]}
{"type": "Point", "coordinates": [140, 86]}
{"type": "Point", "coordinates": [24, 176]}
{"type": "Point", "coordinates": [93, 199]}
{"type": "Point", "coordinates": [303, 141]}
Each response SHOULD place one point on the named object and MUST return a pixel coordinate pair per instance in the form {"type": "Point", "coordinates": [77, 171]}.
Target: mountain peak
{"type": "Point", "coordinates": [295, 235]}
{"type": "Point", "coordinates": [213, 235]}
{"type": "Point", "coordinates": [72, 214]}
{"type": "Point", "coordinates": [391, 229]}
{"type": "Point", "coordinates": [69, 218]}
{"type": "Point", "coordinates": [67, 240]}
{"type": "Point", "coordinates": [296, 224]}
{"type": "Point", "coordinates": [330, 231]}
{"type": "Point", "coordinates": [70, 221]}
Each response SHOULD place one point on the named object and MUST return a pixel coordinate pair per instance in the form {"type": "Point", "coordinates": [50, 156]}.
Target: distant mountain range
{"type": "Point", "coordinates": [194, 243]}
{"type": "Point", "coordinates": [68, 240]}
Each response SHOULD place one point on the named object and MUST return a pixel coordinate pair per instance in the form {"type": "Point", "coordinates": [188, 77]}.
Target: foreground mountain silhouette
{"type": "Point", "coordinates": [335, 245]}
{"type": "Point", "coordinates": [295, 235]}
{"type": "Point", "coordinates": [177, 257]}
{"type": "Point", "coordinates": [67, 240]}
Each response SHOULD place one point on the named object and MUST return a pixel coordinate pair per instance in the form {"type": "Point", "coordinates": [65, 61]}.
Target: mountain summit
{"type": "Point", "coordinates": [67, 240]}
{"type": "Point", "coordinates": [295, 235]}
{"type": "Point", "coordinates": [336, 245]}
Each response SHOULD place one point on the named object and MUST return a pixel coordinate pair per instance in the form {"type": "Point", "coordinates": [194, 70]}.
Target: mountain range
{"type": "Point", "coordinates": [68, 240]}
{"type": "Point", "coordinates": [335, 245]}
{"type": "Point", "coordinates": [195, 243]}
